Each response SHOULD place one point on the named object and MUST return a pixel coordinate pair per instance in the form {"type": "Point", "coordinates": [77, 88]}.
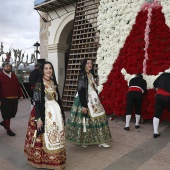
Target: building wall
{"type": "Point", "coordinates": [54, 39]}
{"type": "Point", "coordinates": [44, 34]}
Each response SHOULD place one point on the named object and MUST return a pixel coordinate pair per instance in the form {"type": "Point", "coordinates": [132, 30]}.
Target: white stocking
{"type": "Point", "coordinates": [155, 125]}
{"type": "Point", "coordinates": [128, 117]}
{"type": "Point", "coordinates": [137, 120]}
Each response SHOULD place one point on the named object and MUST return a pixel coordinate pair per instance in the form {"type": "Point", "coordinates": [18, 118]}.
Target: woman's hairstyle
{"type": "Point", "coordinates": [83, 66]}
{"type": "Point", "coordinates": [53, 77]}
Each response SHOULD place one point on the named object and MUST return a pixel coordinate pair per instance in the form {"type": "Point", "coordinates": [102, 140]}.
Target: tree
{"type": "Point", "coordinates": [19, 58]}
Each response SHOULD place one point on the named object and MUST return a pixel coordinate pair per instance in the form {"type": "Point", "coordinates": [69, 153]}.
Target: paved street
{"type": "Point", "coordinates": [132, 150]}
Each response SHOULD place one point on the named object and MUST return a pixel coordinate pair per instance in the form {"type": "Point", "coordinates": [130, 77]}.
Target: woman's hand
{"type": "Point", "coordinates": [39, 124]}
{"type": "Point", "coordinates": [84, 110]}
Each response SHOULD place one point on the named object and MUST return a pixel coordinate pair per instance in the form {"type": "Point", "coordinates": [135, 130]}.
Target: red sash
{"type": "Point", "coordinates": [162, 92]}
{"type": "Point", "coordinates": [135, 89]}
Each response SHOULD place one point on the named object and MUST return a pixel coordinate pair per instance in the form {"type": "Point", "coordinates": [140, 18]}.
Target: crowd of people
{"type": "Point", "coordinates": [47, 132]}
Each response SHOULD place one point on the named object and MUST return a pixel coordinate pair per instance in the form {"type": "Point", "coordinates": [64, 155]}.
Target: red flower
{"type": "Point", "coordinates": [131, 58]}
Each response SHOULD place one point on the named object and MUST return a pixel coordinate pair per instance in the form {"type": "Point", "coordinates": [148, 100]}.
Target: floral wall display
{"type": "Point", "coordinates": [134, 38]}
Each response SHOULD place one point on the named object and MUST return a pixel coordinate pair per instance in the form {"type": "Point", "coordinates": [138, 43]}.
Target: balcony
{"type": "Point", "coordinates": [49, 5]}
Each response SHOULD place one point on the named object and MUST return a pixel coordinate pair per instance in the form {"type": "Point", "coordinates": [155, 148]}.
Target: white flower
{"type": "Point", "coordinates": [166, 11]}
{"type": "Point", "coordinates": [112, 23]}
{"type": "Point", "coordinates": [123, 71]}
{"type": "Point", "coordinates": [100, 88]}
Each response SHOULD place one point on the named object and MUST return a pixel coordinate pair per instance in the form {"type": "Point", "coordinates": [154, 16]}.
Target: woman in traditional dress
{"type": "Point", "coordinates": [45, 138]}
{"type": "Point", "coordinates": [87, 123]}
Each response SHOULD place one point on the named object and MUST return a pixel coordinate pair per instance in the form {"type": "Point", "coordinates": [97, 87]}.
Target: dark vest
{"type": "Point", "coordinates": [163, 82]}
{"type": "Point", "coordinates": [138, 81]}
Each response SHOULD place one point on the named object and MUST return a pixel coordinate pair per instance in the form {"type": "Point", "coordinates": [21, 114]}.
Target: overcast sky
{"type": "Point", "coordinates": [19, 24]}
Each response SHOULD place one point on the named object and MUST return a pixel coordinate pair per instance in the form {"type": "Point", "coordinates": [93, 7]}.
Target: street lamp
{"type": "Point", "coordinates": [36, 45]}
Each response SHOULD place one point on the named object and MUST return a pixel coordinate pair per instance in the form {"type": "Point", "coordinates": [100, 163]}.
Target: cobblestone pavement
{"type": "Point", "coordinates": [132, 150]}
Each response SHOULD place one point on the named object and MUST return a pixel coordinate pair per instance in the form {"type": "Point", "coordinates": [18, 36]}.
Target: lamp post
{"type": "Point", "coordinates": [36, 45]}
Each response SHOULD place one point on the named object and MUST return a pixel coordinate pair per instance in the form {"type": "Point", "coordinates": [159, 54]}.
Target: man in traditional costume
{"type": "Point", "coordinates": [137, 87]}
{"type": "Point", "coordinates": [162, 84]}
{"type": "Point", "coordinates": [10, 91]}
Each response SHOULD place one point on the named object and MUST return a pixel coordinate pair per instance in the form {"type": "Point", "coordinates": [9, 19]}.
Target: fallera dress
{"type": "Point", "coordinates": [48, 149]}
{"type": "Point", "coordinates": [91, 128]}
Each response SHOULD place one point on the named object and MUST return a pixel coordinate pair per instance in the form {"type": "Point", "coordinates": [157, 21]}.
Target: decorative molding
{"type": "Point", "coordinates": [57, 48]}
{"type": "Point", "coordinates": [65, 20]}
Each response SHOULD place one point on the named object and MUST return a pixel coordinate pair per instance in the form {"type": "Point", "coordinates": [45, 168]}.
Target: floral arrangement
{"type": "Point", "coordinates": [115, 21]}
{"type": "Point", "coordinates": [142, 45]}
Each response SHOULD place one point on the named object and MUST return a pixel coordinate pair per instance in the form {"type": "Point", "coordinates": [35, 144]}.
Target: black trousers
{"type": "Point", "coordinates": [161, 103]}
{"type": "Point", "coordinates": [134, 99]}
{"type": "Point", "coordinates": [9, 108]}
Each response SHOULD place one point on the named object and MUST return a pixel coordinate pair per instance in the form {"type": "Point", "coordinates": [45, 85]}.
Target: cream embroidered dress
{"type": "Point", "coordinates": [95, 107]}
{"type": "Point", "coordinates": [48, 150]}
{"type": "Point", "coordinates": [91, 128]}
{"type": "Point", "coordinates": [54, 128]}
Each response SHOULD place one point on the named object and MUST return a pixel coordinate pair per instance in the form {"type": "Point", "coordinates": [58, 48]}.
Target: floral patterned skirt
{"type": "Point", "coordinates": [38, 155]}
{"type": "Point", "coordinates": [97, 129]}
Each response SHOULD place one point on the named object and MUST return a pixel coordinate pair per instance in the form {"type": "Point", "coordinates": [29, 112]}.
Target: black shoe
{"type": "Point", "coordinates": [156, 135]}
{"type": "Point", "coordinates": [10, 133]}
{"type": "Point", "coordinates": [137, 126]}
{"type": "Point", "coordinates": [126, 128]}
{"type": "Point", "coordinates": [2, 124]}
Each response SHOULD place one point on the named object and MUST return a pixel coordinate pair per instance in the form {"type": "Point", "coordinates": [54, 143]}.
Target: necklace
{"type": "Point", "coordinates": [46, 79]}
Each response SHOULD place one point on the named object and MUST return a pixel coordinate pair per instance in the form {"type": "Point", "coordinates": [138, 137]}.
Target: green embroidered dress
{"type": "Point", "coordinates": [91, 128]}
